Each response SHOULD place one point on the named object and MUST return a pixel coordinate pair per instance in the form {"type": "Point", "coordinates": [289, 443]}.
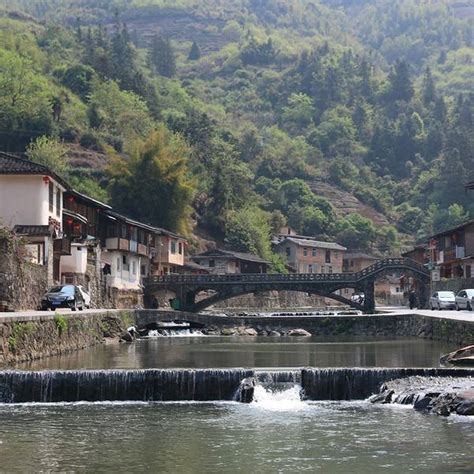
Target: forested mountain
{"type": "Point", "coordinates": [347, 120]}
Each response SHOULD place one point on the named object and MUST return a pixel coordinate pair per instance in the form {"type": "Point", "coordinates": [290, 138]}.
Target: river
{"type": "Point", "coordinates": [222, 352]}
{"type": "Point", "coordinates": [276, 433]}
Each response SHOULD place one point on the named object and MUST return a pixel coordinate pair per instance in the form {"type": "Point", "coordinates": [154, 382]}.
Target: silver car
{"type": "Point", "coordinates": [465, 299]}
{"type": "Point", "coordinates": [443, 300]}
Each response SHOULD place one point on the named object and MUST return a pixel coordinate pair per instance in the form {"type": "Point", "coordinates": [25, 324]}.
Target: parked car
{"type": "Point", "coordinates": [465, 299]}
{"type": "Point", "coordinates": [86, 296]}
{"type": "Point", "coordinates": [443, 300]}
{"type": "Point", "coordinates": [63, 296]}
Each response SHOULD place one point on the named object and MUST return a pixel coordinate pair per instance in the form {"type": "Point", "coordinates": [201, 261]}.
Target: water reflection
{"type": "Point", "coordinates": [226, 352]}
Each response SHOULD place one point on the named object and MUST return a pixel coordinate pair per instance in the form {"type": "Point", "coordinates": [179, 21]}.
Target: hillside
{"type": "Point", "coordinates": [347, 120]}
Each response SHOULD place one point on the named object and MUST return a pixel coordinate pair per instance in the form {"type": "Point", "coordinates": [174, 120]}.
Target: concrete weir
{"type": "Point", "coordinates": [196, 385]}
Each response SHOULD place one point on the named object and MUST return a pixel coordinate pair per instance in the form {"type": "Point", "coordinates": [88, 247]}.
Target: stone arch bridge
{"type": "Point", "coordinates": [223, 287]}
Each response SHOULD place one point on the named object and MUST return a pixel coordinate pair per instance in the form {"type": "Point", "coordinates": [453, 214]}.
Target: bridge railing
{"type": "Point", "coordinates": [251, 278]}
{"type": "Point", "coordinates": [396, 263]}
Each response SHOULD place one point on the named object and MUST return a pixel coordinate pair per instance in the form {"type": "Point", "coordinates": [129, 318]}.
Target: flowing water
{"type": "Point", "coordinates": [279, 431]}
{"type": "Point", "coordinates": [267, 436]}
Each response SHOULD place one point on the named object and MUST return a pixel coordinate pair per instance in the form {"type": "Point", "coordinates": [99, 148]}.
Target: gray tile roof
{"type": "Point", "coordinates": [221, 253]}
{"type": "Point", "coordinates": [313, 243]}
{"type": "Point", "coordinates": [12, 164]}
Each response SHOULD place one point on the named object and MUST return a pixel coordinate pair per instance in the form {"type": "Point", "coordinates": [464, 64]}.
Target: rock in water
{"type": "Point", "coordinates": [246, 390]}
{"type": "Point", "coordinates": [229, 331]}
{"type": "Point", "coordinates": [251, 332]}
{"type": "Point", "coordinates": [299, 333]}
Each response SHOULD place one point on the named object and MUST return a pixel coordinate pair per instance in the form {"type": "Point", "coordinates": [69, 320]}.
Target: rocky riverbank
{"type": "Point", "coordinates": [441, 396]}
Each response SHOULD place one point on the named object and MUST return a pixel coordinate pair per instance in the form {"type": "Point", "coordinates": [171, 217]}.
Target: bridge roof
{"type": "Point", "coordinates": [313, 243]}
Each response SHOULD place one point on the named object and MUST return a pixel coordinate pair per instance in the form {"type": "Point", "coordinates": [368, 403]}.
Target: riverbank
{"type": "Point", "coordinates": [33, 335]}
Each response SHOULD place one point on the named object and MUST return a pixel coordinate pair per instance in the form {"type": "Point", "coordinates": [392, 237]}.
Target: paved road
{"type": "Point", "coordinates": [443, 314]}
{"type": "Point", "coordinates": [37, 315]}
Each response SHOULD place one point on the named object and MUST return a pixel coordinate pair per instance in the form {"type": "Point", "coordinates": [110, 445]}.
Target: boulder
{"type": "Point", "coordinates": [246, 390]}
{"type": "Point", "coordinates": [228, 331]}
{"type": "Point", "coordinates": [299, 333]}
{"type": "Point", "coordinates": [463, 356]}
{"type": "Point", "coordinates": [274, 333]}
{"type": "Point", "coordinates": [251, 332]}
{"type": "Point", "coordinates": [466, 408]}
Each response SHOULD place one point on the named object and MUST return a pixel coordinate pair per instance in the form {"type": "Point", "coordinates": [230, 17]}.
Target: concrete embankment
{"type": "Point", "coordinates": [36, 335]}
{"type": "Point", "coordinates": [457, 331]}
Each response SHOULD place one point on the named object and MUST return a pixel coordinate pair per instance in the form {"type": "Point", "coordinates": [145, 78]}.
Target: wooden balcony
{"type": "Point", "coordinates": [142, 249]}
{"type": "Point", "coordinates": [62, 246]}
{"type": "Point", "coordinates": [115, 243]}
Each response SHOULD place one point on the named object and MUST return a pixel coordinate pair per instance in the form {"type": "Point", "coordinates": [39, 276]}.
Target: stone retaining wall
{"type": "Point", "coordinates": [34, 337]}
{"type": "Point", "coordinates": [411, 325]}
{"type": "Point", "coordinates": [22, 284]}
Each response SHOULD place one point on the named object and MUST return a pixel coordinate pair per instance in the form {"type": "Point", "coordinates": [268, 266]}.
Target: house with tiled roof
{"type": "Point", "coordinates": [220, 261]}
{"type": "Point", "coordinates": [308, 255]}
{"type": "Point", "coordinates": [31, 203]}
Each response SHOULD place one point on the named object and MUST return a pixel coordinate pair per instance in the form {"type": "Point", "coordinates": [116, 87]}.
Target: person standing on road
{"type": "Point", "coordinates": [412, 299]}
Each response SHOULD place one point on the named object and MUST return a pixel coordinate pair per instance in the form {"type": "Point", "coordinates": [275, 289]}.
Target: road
{"type": "Point", "coordinates": [37, 315]}
{"type": "Point", "coordinates": [443, 314]}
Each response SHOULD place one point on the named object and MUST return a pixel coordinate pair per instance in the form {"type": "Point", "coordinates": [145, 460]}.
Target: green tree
{"type": "Point", "coordinates": [356, 232]}
{"type": "Point", "coordinates": [154, 185]}
{"type": "Point", "coordinates": [162, 57]}
{"type": "Point", "coordinates": [195, 52]}
{"type": "Point", "coordinates": [51, 153]}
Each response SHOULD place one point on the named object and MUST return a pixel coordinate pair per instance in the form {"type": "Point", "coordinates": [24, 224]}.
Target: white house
{"type": "Point", "coordinates": [31, 202]}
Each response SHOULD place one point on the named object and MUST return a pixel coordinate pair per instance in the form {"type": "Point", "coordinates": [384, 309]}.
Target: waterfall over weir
{"type": "Point", "coordinates": [197, 385]}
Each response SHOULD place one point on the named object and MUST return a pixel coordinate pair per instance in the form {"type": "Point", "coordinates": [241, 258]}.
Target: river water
{"type": "Point", "coordinates": [223, 352]}
{"type": "Point", "coordinates": [276, 433]}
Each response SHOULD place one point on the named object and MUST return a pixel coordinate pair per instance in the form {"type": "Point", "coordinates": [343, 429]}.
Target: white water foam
{"type": "Point", "coordinates": [274, 400]}
{"type": "Point", "coordinates": [153, 333]}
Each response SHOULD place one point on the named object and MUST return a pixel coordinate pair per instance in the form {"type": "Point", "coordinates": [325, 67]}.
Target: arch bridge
{"type": "Point", "coordinates": [223, 287]}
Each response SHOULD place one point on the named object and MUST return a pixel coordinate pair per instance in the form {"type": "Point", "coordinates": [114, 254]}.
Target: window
{"type": "Point", "coordinates": [288, 251]}
{"type": "Point", "coordinates": [124, 259]}
{"type": "Point", "coordinates": [328, 256]}
{"type": "Point", "coordinates": [313, 252]}
{"type": "Point", "coordinates": [329, 269]}
{"type": "Point", "coordinates": [134, 267]}
{"type": "Point", "coordinates": [173, 246]}
{"type": "Point", "coordinates": [352, 263]}
{"type": "Point", "coordinates": [134, 234]}
{"type": "Point", "coordinates": [118, 264]}
{"type": "Point", "coordinates": [468, 271]}
{"type": "Point", "coordinates": [180, 248]}
{"type": "Point", "coordinates": [123, 231]}
{"type": "Point", "coordinates": [212, 263]}
{"type": "Point", "coordinates": [397, 290]}
{"type": "Point", "coordinates": [310, 268]}
{"type": "Point", "coordinates": [305, 251]}
{"type": "Point", "coordinates": [143, 270]}
{"type": "Point", "coordinates": [51, 197]}
{"type": "Point", "coordinates": [58, 202]}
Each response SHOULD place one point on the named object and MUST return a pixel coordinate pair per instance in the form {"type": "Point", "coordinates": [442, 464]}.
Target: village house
{"type": "Point", "coordinates": [357, 261]}
{"type": "Point", "coordinates": [31, 203]}
{"type": "Point", "coordinates": [168, 251]}
{"type": "Point", "coordinates": [419, 253]}
{"type": "Point", "coordinates": [452, 251]}
{"type": "Point", "coordinates": [219, 261]}
{"type": "Point", "coordinates": [308, 255]}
